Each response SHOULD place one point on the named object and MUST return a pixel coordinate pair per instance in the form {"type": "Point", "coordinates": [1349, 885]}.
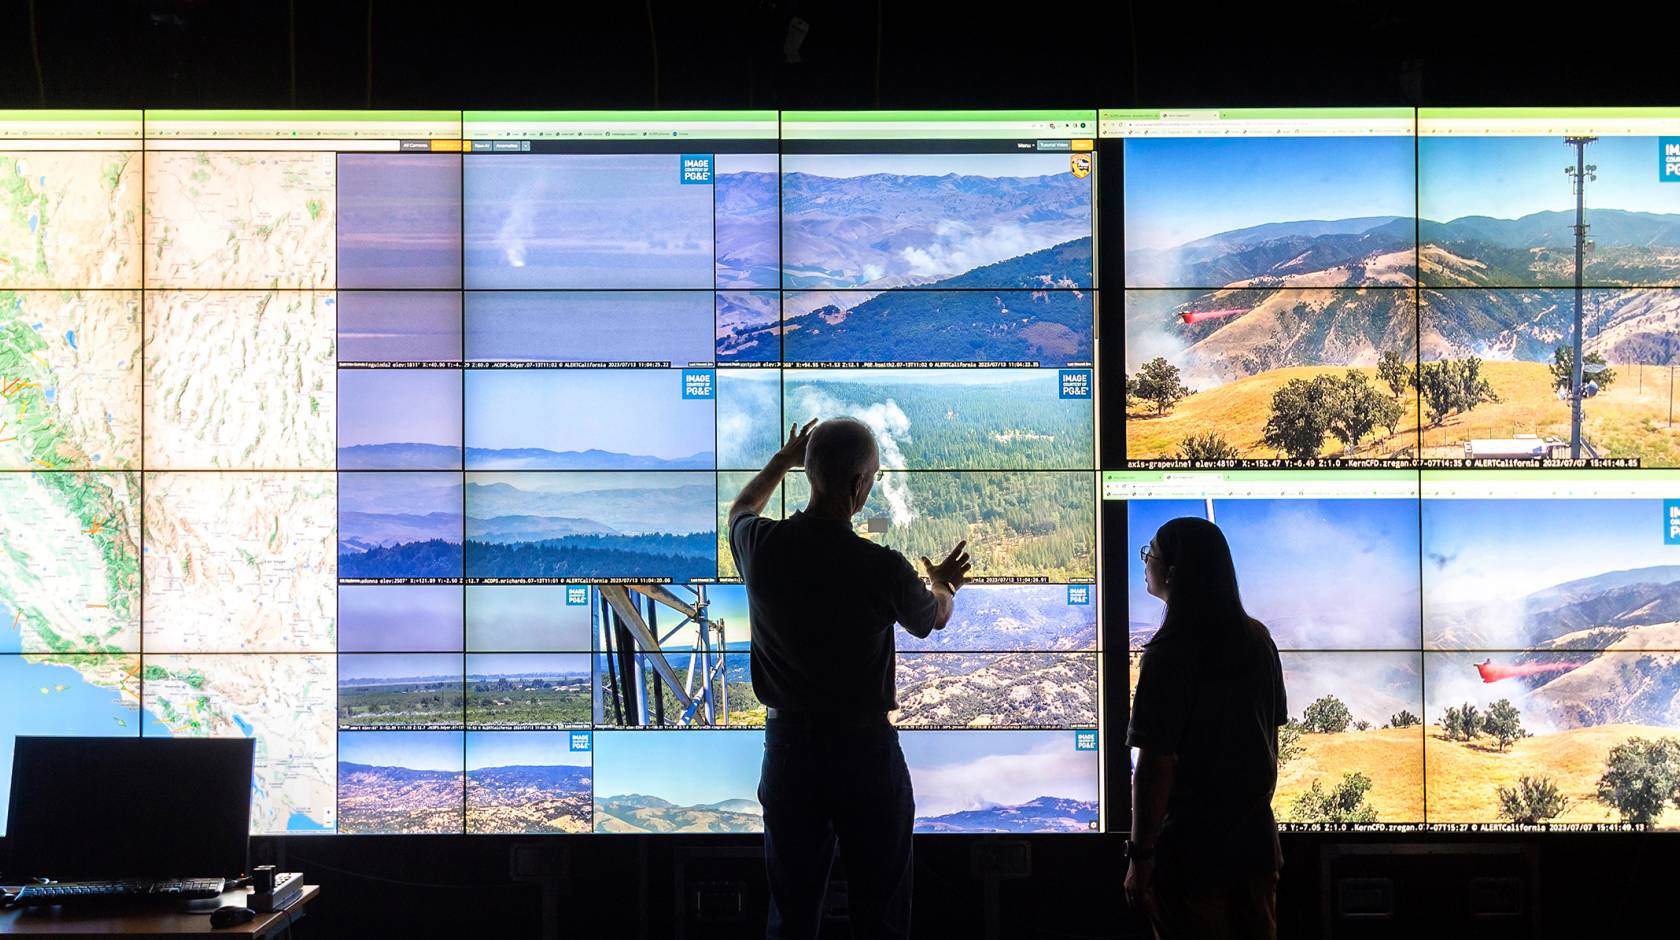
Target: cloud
{"type": "Point", "coordinates": [1053, 768]}
{"type": "Point", "coordinates": [1374, 686]}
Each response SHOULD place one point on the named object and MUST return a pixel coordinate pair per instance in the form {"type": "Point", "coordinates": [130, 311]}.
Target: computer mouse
{"type": "Point", "coordinates": [231, 915]}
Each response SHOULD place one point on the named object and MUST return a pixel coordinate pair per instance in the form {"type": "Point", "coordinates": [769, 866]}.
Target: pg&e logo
{"type": "Point", "coordinates": [1079, 594]}
{"type": "Point", "coordinates": [1085, 740]}
{"type": "Point", "coordinates": [1669, 162]}
{"type": "Point", "coordinates": [1671, 522]}
{"type": "Point", "coordinates": [697, 383]}
{"type": "Point", "coordinates": [577, 595]}
{"type": "Point", "coordinates": [1074, 383]}
{"type": "Point", "coordinates": [580, 742]}
{"type": "Point", "coordinates": [696, 168]}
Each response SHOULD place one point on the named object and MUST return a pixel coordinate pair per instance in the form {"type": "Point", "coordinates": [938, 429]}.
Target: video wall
{"type": "Point", "coordinates": [402, 441]}
{"type": "Point", "coordinates": [1350, 340]}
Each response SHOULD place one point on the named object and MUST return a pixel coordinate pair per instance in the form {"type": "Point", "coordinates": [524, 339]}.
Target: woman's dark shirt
{"type": "Point", "coordinates": [1221, 719]}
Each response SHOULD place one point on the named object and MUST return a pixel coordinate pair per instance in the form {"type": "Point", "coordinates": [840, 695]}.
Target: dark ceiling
{"type": "Point", "coordinates": [730, 53]}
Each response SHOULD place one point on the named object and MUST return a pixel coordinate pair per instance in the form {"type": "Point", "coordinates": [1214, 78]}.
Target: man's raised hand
{"type": "Point", "coordinates": [953, 571]}
{"type": "Point", "coordinates": [792, 453]}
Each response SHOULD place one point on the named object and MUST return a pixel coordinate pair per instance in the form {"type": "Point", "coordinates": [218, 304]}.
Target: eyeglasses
{"type": "Point", "coordinates": [880, 475]}
{"type": "Point", "coordinates": [1145, 554]}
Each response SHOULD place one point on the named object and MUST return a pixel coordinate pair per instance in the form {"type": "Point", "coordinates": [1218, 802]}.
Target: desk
{"type": "Point", "coordinates": [85, 921]}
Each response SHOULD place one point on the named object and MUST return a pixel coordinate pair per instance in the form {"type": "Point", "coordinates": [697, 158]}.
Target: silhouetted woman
{"type": "Point", "coordinates": [1204, 853]}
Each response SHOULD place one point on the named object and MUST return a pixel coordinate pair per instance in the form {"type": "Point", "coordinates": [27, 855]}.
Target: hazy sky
{"type": "Point", "coordinates": [1181, 189]}
{"type": "Point", "coordinates": [399, 326]}
{"type": "Point", "coordinates": [526, 617]}
{"type": "Point", "coordinates": [514, 748]}
{"type": "Point", "coordinates": [399, 406]}
{"type": "Point", "coordinates": [844, 165]}
{"type": "Point", "coordinates": [1493, 550]}
{"type": "Point", "coordinates": [585, 326]}
{"type": "Point", "coordinates": [489, 664]}
{"type": "Point", "coordinates": [399, 617]}
{"type": "Point", "coordinates": [626, 411]}
{"type": "Point", "coordinates": [1295, 559]}
{"type": "Point", "coordinates": [1510, 177]}
{"type": "Point", "coordinates": [416, 750]}
{"type": "Point", "coordinates": [399, 220]}
{"type": "Point", "coordinates": [397, 665]}
{"type": "Point", "coordinates": [958, 770]}
{"type": "Point", "coordinates": [686, 767]}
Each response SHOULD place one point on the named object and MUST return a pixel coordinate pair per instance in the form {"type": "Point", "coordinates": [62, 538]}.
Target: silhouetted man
{"type": "Point", "coordinates": [823, 601]}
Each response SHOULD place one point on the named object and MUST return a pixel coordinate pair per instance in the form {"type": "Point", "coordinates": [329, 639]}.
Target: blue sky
{"type": "Point", "coordinates": [489, 664]}
{"type": "Point", "coordinates": [1490, 550]}
{"type": "Point", "coordinates": [416, 750]}
{"type": "Point", "coordinates": [526, 617]}
{"type": "Point", "coordinates": [961, 770]}
{"type": "Point", "coordinates": [1181, 189]}
{"type": "Point", "coordinates": [584, 326]}
{"type": "Point", "coordinates": [686, 767]}
{"type": "Point", "coordinates": [516, 748]}
{"type": "Point", "coordinates": [1295, 559]}
{"type": "Point", "coordinates": [399, 406]}
{"type": "Point", "coordinates": [846, 165]}
{"type": "Point", "coordinates": [589, 221]}
{"type": "Point", "coordinates": [1510, 177]}
{"type": "Point", "coordinates": [397, 665]}
{"type": "Point", "coordinates": [580, 409]}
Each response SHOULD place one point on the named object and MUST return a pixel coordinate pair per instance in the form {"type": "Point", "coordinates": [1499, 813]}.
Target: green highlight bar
{"type": "Point", "coordinates": [278, 124]}
{"type": "Point", "coordinates": [1255, 114]}
{"type": "Point", "coordinates": [620, 125]}
{"type": "Point", "coordinates": [61, 124]}
{"type": "Point", "coordinates": [1054, 124]}
{"type": "Point", "coordinates": [1561, 114]}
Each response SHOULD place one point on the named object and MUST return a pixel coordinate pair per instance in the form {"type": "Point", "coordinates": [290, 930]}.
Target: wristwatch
{"type": "Point", "coordinates": [1139, 853]}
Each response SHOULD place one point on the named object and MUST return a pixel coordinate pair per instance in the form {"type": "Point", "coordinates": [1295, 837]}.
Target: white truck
{"type": "Point", "coordinates": [1516, 447]}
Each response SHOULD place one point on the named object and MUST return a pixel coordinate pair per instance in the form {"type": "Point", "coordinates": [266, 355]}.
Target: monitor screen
{"type": "Point", "coordinates": [401, 444]}
{"type": "Point", "coordinates": [184, 810]}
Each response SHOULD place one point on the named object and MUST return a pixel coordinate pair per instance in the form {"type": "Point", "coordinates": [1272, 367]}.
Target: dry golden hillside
{"type": "Point", "coordinates": [1391, 757]}
{"type": "Point", "coordinates": [1464, 780]}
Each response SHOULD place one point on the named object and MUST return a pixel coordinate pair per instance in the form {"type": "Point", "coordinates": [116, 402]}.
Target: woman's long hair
{"type": "Point", "coordinates": [1204, 608]}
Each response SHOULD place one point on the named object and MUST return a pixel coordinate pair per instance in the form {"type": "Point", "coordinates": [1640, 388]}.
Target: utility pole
{"type": "Point", "coordinates": [1579, 174]}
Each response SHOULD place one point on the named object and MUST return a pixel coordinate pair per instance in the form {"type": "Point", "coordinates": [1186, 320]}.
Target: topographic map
{"type": "Point", "coordinates": [240, 220]}
{"type": "Point", "coordinates": [240, 380]}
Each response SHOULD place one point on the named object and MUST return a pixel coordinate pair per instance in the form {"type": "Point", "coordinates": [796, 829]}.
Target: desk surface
{"type": "Point", "coordinates": [143, 922]}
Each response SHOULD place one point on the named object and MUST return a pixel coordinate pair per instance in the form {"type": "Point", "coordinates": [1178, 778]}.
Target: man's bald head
{"type": "Point", "coordinates": [840, 451]}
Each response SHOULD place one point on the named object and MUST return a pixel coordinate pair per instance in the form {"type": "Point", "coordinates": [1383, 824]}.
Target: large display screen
{"type": "Point", "coordinates": [401, 442]}
{"type": "Point", "coordinates": [1351, 341]}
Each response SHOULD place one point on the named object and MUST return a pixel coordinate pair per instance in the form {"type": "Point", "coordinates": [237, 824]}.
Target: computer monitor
{"type": "Point", "coordinates": [90, 808]}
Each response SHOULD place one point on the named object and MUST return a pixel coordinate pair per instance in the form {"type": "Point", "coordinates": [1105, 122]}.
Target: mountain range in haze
{"type": "Point", "coordinates": [415, 456]}
{"type": "Point", "coordinates": [1044, 814]}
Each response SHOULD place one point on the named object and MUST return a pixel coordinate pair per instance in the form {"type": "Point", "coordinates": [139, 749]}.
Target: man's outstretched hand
{"type": "Point", "coordinates": [953, 571]}
{"type": "Point", "coordinates": [792, 453]}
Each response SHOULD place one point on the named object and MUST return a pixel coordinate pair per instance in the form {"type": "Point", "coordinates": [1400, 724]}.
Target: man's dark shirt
{"type": "Point", "coordinates": [823, 601]}
{"type": "Point", "coordinates": [1222, 723]}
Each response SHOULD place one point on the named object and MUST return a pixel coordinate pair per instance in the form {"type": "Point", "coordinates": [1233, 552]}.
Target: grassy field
{"type": "Point", "coordinates": [1238, 411]}
{"type": "Point", "coordinates": [401, 703]}
{"type": "Point", "coordinates": [1391, 757]}
{"type": "Point", "coordinates": [502, 703]}
{"type": "Point", "coordinates": [1464, 779]}
{"type": "Point", "coordinates": [1629, 419]}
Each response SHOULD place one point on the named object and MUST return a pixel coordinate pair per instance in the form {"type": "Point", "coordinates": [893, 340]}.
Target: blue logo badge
{"type": "Point", "coordinates": [1079, 594]}
{"type": "Point", "coordinates": [1668, 159]}
{"type": "Point", "coordinates": [1075, 383]}
{"type": "Point", "coordinates": [697, 168]}
{"type": "Point", "coordinates": [577, 595]}
{"type": "Point", "coordinates": [1085, 740]}
{"type": "Point", "coordinates": [1671, 522]}
{"type": "Point", "coordinates": [580, 742]}
{"type": "Point", "coordinates": [697, 383]}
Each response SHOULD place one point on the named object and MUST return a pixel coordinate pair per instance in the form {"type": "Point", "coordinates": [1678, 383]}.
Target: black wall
{"type": "Point", "coordinates": [874, 53]}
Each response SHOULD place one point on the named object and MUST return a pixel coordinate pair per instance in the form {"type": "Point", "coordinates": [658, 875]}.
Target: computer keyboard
{"type": "Point", "coordinates": [76, 892]}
